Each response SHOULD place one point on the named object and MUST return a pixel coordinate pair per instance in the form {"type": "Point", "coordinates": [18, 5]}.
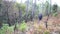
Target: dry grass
{"type": "Point", "coordinates": [38, 27]}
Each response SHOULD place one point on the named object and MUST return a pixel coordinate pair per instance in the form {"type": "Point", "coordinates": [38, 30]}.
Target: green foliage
{"type": "Point", "coordinates": [47, 4]}
{"type": "Point", "coordinates": [20, 6]}
{"type": "Point", "coordinates": [11, 29]}
{"type": "Point", "coordinates": [47, 8]}
{"type": "Point", "coordinates": [55, 8]}
{"type": "Point", "coordinates": [55, 14]}
{"type": "Point", "coordinates": [46, 32]}
{"type": "Point", "coordinates": [23, 26]}
{"type": "Point", "coordinates": [4, 28]}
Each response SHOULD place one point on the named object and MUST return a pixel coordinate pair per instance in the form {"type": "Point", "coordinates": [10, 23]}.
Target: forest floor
{"type": "Point", "coordinates": [39, 27]}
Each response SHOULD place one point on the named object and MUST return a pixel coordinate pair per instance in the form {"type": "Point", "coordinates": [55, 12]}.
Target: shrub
{"type": "Point", "coordinates": [11, 29]}
{"type": "Point", "coordinates": [46, 32]}
{"type": "Point", "coordinates": [3, 29]}
{"type": "Point", "coordinates": [6, 28]}
{"type": "Point", "coordinates": [23, 26]}
{"type": "Point", "coordinates": [55, 14]}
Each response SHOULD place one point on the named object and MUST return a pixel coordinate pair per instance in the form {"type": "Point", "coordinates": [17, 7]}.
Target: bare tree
{"type": "Point", "coordinates": [27, 5]}
{"type": "Point", "coordinates": [47, 13]}
{"type": "Point", "coordinates": [1, 17]}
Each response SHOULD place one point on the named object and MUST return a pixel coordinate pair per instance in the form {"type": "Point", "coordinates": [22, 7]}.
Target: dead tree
{"type": "Point", "coordinates": [1, 19]}
{"type": "Point", "coordinates": [15, 28]}
{"type": "Point", "coordinates": [47, 14]}
{"type": "Point", "coordinates": [47, 21]}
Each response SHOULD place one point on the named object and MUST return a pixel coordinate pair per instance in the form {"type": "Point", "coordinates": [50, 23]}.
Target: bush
{"type": "Point", "coordinates": [46, 32]}
{"type": "Point", "coordinates": [11, 29]}
{"type": "Point", "coordinates": [6, 28]}
{"type": "Point", "coordinates": [23, 26]}
{"type": "Point", "coordinates": [3, 29]}
{"type": "Point", "coordinates": [55, 14]}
